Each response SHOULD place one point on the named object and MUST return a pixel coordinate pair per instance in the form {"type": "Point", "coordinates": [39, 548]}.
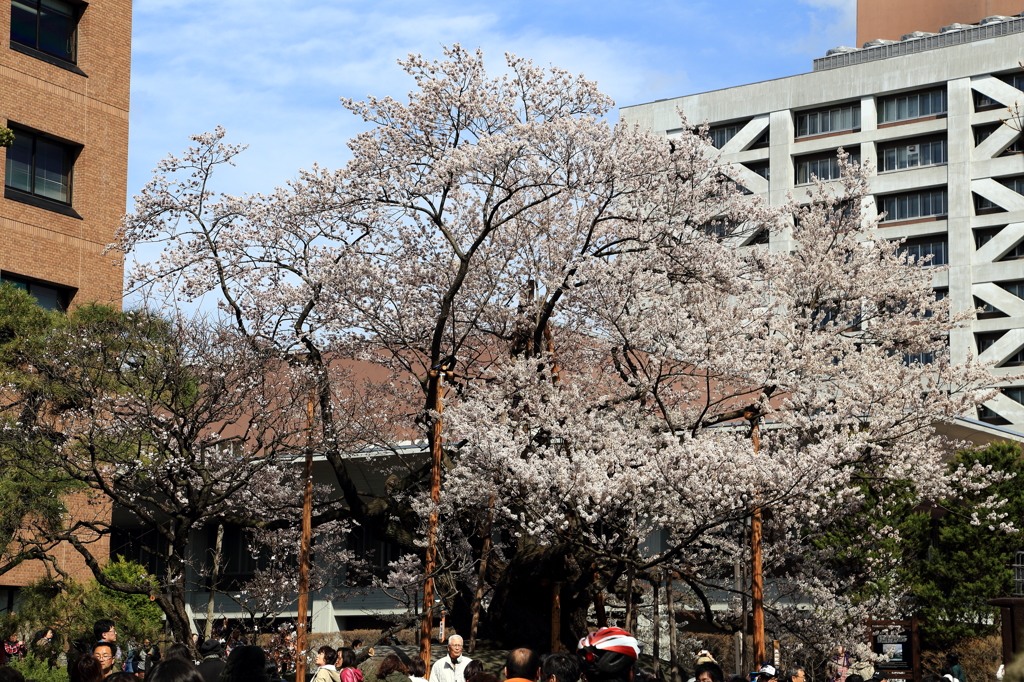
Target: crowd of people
{"type": "Point", "coordinates": [607, 655]}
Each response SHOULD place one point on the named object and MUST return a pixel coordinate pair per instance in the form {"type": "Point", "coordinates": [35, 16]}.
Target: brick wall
{"type": "Point", "coordinates": [80, 506]}
{"type": "Point", "coordinates": [90, 111]}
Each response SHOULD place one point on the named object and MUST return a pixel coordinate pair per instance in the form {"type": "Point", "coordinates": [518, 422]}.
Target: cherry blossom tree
{"type": "Point", "coordinates": [614, 332]}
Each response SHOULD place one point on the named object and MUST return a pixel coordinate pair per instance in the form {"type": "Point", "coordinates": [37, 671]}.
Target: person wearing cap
{"type": "Point", "coordinates": [212, 664]}
{"type": "Point", "coordinates": [608, 655]}
{"type": "Point", "coordinates": [767, 673]}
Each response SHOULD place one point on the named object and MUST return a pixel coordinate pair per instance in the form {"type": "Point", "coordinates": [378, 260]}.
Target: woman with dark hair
{"type": "Point", "coordinates": [246, 664]}
{"type": "Point", "coordinates": [174, 670]}
{"type": "Point", "coordinates": [179, 651]}
{"type": "Point", "coordinates": [417, 669]}
{"type": "Point", "coordinates": [393, 670]}
{"type": "Point", "coordinates": [86, 669]}
{"type": "Point", "coordinates": [326, 658]}
{"type": "Point", "coordinates": [472, 668]}
{"type": "Point", "coordinates": [349, 671]}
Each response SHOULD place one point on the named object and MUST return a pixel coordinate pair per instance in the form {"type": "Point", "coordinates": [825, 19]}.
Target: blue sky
{"type": "Point", "coordinates": [272, 72]}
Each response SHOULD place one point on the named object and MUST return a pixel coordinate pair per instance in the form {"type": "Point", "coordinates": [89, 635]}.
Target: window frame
{"type": "Point", "coordinates": [64, 294]}
{"type": "Point", "coordinates": [882, 200]}
{"type": "Point", "coordinates": [881, 104]}
{"type": "Point", "coordinates": [896, 145]}
{"type": "Point", "coordinates": [914, 247]}
{"type": "Point", "coordinates": [71, 152]}
{"type": "Point", "coordinates": [77, 9]}
{"type": "Point", "coordinates": [855, 120]}
{"type": "Point", "coordinates": [831, 156]}
{"type": "Point", "coordinates": [725, 129]}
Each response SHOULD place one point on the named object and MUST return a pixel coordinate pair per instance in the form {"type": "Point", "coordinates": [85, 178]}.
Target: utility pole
{"type": "Point", "coordinates": [427, 626]}
{"type": "Point", "coordinates": [756, 576]}
{"type": "Point", "coordinates": [307, 534]}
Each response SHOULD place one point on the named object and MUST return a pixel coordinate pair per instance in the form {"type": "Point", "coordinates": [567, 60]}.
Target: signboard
{"type": "Point", "coordinates": [897, 640]}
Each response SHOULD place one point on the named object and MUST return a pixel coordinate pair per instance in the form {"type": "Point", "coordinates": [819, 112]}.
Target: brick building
{"type": "Point", "coordinates": [64, 91]}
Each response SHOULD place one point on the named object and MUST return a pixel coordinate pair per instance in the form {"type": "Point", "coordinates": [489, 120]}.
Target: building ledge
{"type": "Point", "coordinates": [48, 58]}
{"type": "Point", "coordinates": [40, 202]}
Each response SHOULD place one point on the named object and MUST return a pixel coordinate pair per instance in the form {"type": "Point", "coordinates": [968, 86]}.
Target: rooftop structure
{"type": "Point", "coordinates": [887, 20]}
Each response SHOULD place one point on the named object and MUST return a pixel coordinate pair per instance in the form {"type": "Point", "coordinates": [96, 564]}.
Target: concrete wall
{"type": "Point", "coordinates": [962, 70]}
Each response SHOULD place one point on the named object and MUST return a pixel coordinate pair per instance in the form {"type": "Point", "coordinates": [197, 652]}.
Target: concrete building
{"type": "Point", "coordinates": [64, 89]}
{"type": "Point", "coordinates": [927, 112]}
{"type": "Point", "coordinates": [887, 20]}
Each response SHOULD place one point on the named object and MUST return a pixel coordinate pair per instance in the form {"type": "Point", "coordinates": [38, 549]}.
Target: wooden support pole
{"type": "Point", "coordinates": [599, 610]}
{"type": "Point", "coordinates": [630, 576]}
{"type": "Point", "coordinates": [306, 538]}
{"type": "Point", "coordinates": [656, 623]}
{"type": "Point", "coordinates": [478, 596]}
{"type": "Point", "coordinates": [672, 648]}
{"type": "Point", "coordinates": [556, 617]}
{"type": "Point", "coordinates": [756, 576]}
{"type": "Point", "coordinates": [427, 625]}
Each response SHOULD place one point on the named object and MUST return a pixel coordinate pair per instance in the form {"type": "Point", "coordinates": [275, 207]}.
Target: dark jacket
{"type": "Point", "coordinates": [211, 668]}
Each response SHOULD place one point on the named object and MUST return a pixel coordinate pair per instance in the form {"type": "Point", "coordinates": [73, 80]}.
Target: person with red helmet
{"type": "Point", "coordinates": [608, 655]}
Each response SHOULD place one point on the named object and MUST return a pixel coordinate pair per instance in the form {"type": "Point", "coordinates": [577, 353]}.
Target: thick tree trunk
{"type": "Point", "coordinates": [520, 610]}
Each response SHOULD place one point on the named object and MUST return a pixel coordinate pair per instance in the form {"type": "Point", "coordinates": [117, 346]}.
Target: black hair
{"type": "Point", "coordinates": [101, 627]}
{"type": "Point", "coordinates": [85, 669]}
{"type": "Point", "coordinates": [9, 674]}
{"type": "Point", "coordinates": [472, 668]}
{"type": "Point", "coordinates": [348, 657]}
{"type": "Point", "coordinates": [330, 654]}
{"type": "Point", "coordinates": [245, 664]}
{"type": "Point", "coordinates": [123, 677]}
{"type": "Point", "coordinates": [792, 673]}
{"type": "Point", "coordinates": [178, 650]}
{"type": "Point", "coordinates": [563, 666]}
{"type": "Point", "coordinates": [174, 670]}
{"type": "Point", "coordinates": [522, 662]}
{"type": "Point", "coordinates": [712, 669]}
{"type": "Point", "coordinates": [854, 678]}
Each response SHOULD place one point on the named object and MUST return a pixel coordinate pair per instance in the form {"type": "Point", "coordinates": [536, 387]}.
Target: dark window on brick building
{"type": "Point", "coordinates": [39, 166]}
{"type": "Point", "coordinates": [49, 26]}
{"type": "Point", "coordinates": [49, 296]}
